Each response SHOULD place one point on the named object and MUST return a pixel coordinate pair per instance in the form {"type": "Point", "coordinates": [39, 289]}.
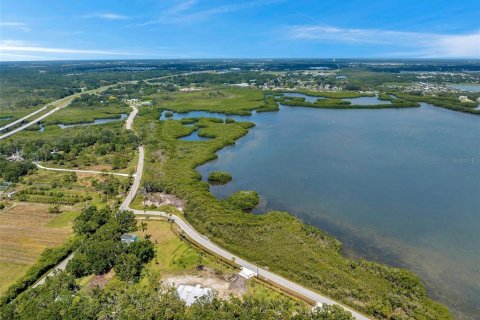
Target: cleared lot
{"type": "Point", "coordinates": [25, 231]}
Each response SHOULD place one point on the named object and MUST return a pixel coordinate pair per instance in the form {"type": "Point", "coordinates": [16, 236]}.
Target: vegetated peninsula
{"type": "Point", "coordinates": [73, 170]}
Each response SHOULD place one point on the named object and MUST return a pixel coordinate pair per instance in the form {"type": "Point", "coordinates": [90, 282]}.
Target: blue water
{"type": "Point", "coordinates": [308, 98]}
{"type": "Point", "coordinates": [200, 114]}
{"type": "Point", "coordinates": [465, 86]}
{"type": "Point", "coordinates": [194, 137]}
{"type": "Point", "coordinates": [123, 116]}
{"type": "Point", "coordinates": [395, 185]}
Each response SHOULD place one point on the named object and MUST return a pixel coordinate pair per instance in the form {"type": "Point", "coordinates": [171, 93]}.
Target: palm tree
{"type": "Point", "coordinates": [143, 227]}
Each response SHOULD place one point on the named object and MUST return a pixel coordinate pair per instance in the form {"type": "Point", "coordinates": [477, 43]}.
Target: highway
{"type": "Point", "coordinates": [11, 124]}
{"type": "Point", "coordinates": [203, 240]}
{"type": "Point", "coordinates": [65, 103]}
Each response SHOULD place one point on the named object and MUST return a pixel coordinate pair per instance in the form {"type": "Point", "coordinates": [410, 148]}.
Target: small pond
{"type": "Point", "coordinates": [194, 137]}
{"type": "Point", "coordinates": [123, 116]}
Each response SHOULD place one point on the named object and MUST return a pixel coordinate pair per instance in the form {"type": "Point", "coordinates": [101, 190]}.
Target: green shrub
{"type": "Point", "coordinates": [244, 200]}
{"type": "Point", "coordinates": [278, 240]}
{"type": "Point", "coordinates": [48, 259]}
{"type": "Point", "coordinates": [219, 177]}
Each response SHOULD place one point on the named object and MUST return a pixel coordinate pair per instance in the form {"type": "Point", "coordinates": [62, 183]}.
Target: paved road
{"type": "Point", "coordinates": [131, 116]}
{"type": "Point", "coordinates": [206, 243]}
{"type": "Point", "coordinates": [11, 124]}
{"type": "Point", "coordinates": [203, 241]}
{"type": "Point", "coordinates": [136, 183]}
{"type": "Point", "coordinates": [65, 103]}
{"type": "Point", "coordinates": [138, 175]}
{"type": "Point", "coordinates": [81, 171]}
{"type": "Point", "coordinates": [270, 276]}
{"type": "Point", "coordinates": [59, 267]}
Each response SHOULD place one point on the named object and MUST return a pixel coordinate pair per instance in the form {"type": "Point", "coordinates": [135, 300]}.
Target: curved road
{"type": "Point", "coordinates": [69, 99]}
{"type": "Point", "coordinates": [204, 241]}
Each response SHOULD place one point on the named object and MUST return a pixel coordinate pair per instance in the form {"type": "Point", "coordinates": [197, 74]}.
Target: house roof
{"type": "Point", "coordinates": [128, 237]}
{"type": "Point", "coordinates": [190, 294]}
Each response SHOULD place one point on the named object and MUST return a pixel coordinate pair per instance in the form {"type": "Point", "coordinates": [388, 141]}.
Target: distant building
{"type": "Point", "coordinates": [17, 156]}
{"type": "Point", "coordinates": [129, 238]}
{"type": "Point", "coordinates": [464, 99]}
{"type": "Point", "coordinates": [190, 294]}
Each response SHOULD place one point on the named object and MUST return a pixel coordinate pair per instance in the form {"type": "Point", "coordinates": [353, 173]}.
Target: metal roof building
{"type": "Point", "coordinates": [190, 294]}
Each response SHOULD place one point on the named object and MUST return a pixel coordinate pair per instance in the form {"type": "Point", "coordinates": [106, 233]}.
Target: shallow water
{"type": "Point", "coordinates": [465, 86]}
{"type": "Point", "coordinates": [194, 137]}
{"type": "Point", "coordinates": [398, 186]}
{"type": "Point", "coordinates": [308, 98]}
{"type": "Point", "coordinates": [123, 116]}
{"type": "Point", "coordinates": [199, 114]}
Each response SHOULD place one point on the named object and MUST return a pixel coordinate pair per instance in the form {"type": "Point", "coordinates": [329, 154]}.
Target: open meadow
{"type": "Point", "coordinates": [27, 229]}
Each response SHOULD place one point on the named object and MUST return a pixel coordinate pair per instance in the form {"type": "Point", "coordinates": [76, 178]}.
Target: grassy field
{"type": "Point", "coordinates": [25, 231]}
{"type": "Point", "coordinates": [72, 115]}
{"type": "Point", "coordinates": [175, 256]}
{"type": "Point", "coordinates": [8, 115]}
{"type": "Point", "coordinates": [230, 100]}
{"type": "Point", "coordinates": [172, 254]}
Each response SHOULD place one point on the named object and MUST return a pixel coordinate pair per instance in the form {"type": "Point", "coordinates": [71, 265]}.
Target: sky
{"type": "Point", "coordinates": [194, 29]}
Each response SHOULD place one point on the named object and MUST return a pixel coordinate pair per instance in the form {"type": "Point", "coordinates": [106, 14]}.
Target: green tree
{"type": "Point", "coordinates": [128, 267]}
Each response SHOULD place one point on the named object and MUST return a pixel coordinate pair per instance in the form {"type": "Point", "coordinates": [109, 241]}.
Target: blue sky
{"type": "Point", "coordinates": [144, 29]}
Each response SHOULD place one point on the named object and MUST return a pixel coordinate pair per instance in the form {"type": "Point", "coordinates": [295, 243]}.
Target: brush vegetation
{"type": "Point", "coordinates": [219, 177]}
{"type": "Point", "coordinates": [275, 239]}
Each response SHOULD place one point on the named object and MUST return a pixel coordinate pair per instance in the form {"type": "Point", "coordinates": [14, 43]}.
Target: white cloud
{"type": "Point", "coordinates": [18, 49]}
{"type": "Point", "coordinates": [422, 45]}
{"type": "Point", "coordinates": [182, 6]}
{"type": "Point", "coordinates": [106, 16]}
{"type": "Point", "coordinates": [179, 14]}
{"type": "Point", "coordinates": [15, 25]}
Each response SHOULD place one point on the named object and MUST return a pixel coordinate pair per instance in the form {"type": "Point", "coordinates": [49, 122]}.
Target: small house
{"type": "Point", "coordinates": [129, 238]}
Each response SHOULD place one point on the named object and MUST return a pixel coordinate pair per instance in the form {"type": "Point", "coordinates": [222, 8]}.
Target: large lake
{"type": "Point", "coordinates": [397, 186]}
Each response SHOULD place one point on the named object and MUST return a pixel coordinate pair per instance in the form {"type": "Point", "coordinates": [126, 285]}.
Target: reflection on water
{"type": "Point", "coordinates": [199, 114]}
{"type": "Point", "coordinates": [465, 86]}
{"type": "Point", "coordinates": [393, 185]}
{"type": "Point", "coordinates": [123, 116]}
{"type": "Point", "coordinates": [307, 98]}
{"type": "Point", "coordinates": [194, 137]}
